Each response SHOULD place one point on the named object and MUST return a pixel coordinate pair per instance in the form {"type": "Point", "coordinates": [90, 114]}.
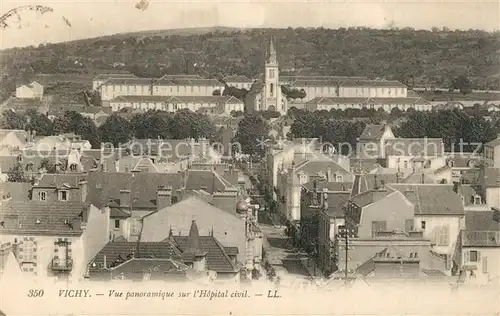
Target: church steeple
{"type": "Point", "coordinates": [273, 57]}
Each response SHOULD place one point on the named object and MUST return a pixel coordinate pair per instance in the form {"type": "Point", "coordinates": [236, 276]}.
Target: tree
{"type": "Point", "coordinates": [396, 112]}
{"type": "Point", "coordinates": [216, 92]}
{"type": "Point", "coordinates": [39, 123]}
{"type": "Point", "coordinates": [74, 122]}
{"type": "Point", "coordinates": [115, 130]}
{"type": "Point", "coordinates": [236, 113]}
{"type": "Point", "coordinates": [235, 92]}
{"type": "Point", "coordinates": [252, 134]}
{"type": "Point", "coordinates": [454, 126]}
{"type": "Point", "coordinates": [270, 114]}
{"type": "Point", "coordinates": [12, 120]}
{"type": "Point", "coordinates": [47, 166]}
{"type": "Point", "coordinates": [187, 124]}
{"type": "Point", "coordinates": [151, 125]}
{"type": "Point", "coordinates": [16, 173]}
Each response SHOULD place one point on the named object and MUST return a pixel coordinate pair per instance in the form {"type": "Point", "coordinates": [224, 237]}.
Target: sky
{"type": "Point", "coordinates": [104, 17]}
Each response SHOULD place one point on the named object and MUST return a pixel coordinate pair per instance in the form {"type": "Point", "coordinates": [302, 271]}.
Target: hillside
{"type": "Point", "coordinates": [430, 58]}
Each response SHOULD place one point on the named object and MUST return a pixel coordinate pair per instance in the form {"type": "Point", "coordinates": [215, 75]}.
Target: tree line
{"type": "Point", "coordinates": [116, 129]}
{"type": "Point", "coordinates": [415, 57]}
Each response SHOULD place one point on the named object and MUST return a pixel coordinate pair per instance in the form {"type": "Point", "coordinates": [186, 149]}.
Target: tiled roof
{"type": "Point", "coordinates": [432, 199]}
{"type": "Point", "coordinates": [492, 177]}
{"type": "Point", "coordinates": [330, 186]}
{"type": "Point", "coordinates": [319, 78]}
{"type": "Point", "coordinates": [337, 100]}
{"type": "Point", "coordinates": [238, 78]}
{"type": "Point", "coordinates": [207, 180]}
{"type": "Point", "coordinates": [372, 132]}
{"type": "Point", "coordinates": [493, 143]}
{"type": "Point", "coordinates": [314, 166]}
{"type": "Point", "coordinates": [369, 181]}
{"type": "Point", "coordinates": [372, 83]}
{"type": "Point", "coordinates": [108, 76]}
{"type": "Point", "coordinates": [414, 147]}
{"type": "Point", "coordinates": [480, 238]}
{"type": "Point", "coordinates": [188, 82]}
{"type": "Point", "coordinates": [106, 185]}
{"type": "Point", "coordinates": [118, 252]}
{"type": "Point", "coordinates": [128, 81]}
{"type": "Point", "coordinates": [42, 218]}
{"type": "Point", "coordinates": [17, 191]}
{"type": "Point", "coordinates": [481, 221]}
{"type": "Point", "coordinates": [181, 77]}
{"type": "Point", "coordinates": [217, 258]}
{"type": "Point", "coordinates": [418, 177]}
{"type": "Point", "coordinates": [231, 251]}
{"type": "Point", "coordinates": [371, 196]}
{"type": "Point", "coordinates": [336, 201]}
{"type": "Point", "coordinates": [58, 180]}
{"type": "Point", "coordinates": [175, 99]}
{"type": "Point", "coordinates": [159, 269]}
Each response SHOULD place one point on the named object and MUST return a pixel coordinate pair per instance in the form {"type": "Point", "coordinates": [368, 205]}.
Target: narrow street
{"type": "Point", "coordinates": [277, 245]}
{"type": "Point", "coordinates": [278, 248]}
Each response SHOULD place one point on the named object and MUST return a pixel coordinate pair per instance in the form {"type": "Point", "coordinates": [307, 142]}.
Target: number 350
{"type": "Point", "coordinates": [35, 293]}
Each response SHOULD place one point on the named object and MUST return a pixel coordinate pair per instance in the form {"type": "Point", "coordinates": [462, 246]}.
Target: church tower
{"type": "Point", "coordinates": [272, 96]}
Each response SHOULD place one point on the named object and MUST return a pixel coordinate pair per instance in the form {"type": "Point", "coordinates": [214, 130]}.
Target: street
{"type": "Point", "coordinates": [278, 248]}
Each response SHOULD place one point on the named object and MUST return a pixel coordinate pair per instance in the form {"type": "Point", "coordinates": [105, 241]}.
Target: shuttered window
{"type": "Point", "coordinates": [485, 264]}
{"type": "Point", "coordinates": [473, 256]}
{"type": "Point", "coordinates": [442, 236]}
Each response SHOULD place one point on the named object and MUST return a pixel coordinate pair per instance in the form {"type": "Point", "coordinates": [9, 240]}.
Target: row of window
{"type": "Point", "coordinates": [441, 237]}
{"type": "Point", "coordinates": [63, 195]}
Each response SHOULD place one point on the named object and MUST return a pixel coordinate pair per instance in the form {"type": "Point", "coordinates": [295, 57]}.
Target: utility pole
{"type": "Point", "coordinates": [345, 234]}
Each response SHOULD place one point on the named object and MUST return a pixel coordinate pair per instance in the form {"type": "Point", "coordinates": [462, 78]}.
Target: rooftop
{"type": "Point", "coordinates": [42, 218]}
{"type": "Point", "coordinates": [432, 199]}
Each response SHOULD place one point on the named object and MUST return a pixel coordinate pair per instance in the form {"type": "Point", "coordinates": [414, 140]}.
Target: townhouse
{"type": "Point", "coordinates": [480, 246]}
{"type": "Point", "coordinates": [53, 239]}
{"type": "Point", "coordinates": [331, 169]}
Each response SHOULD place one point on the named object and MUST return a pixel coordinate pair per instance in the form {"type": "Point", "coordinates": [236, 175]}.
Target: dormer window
{"type": "Point", "coordinates": [477, 199]}
{"type": "Point", "coordinates": [63, 195]}
{"type": "Point", "coordinates": [339, 178]}
{"type": "Point", "coordinates": [38, 221]}
{"type": "Point", "coordinates": [42, 196]}
{"type": "Point", "coordinates": [73, 167]}
{"type": "Point", "coordinates": [29, 166]}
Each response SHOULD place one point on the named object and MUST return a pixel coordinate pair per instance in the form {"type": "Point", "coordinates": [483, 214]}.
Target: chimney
{"type": "Point", "coordinates": [375, 185]}
{"type": "Point", "coordinates": [125, 198]}
{"type": "Point", "coordinates": [226, 200]}
{"type": "Point", "coordinates": [410, 194]}
{"type": "Point", "coordinates": [83, 185]}
{"type": "Point", "coordinates": [163, 197]}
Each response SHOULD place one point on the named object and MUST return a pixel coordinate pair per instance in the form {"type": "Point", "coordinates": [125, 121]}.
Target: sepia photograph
{"type": "Point", "coordinates": [240, 157]}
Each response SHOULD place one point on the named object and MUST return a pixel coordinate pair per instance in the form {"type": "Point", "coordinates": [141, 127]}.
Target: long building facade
{"type": "Point", "coordinates": [265, 93]}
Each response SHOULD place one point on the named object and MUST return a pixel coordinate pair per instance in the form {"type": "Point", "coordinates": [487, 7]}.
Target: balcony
{"type": "Point", "coordinates": [61, 265]}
